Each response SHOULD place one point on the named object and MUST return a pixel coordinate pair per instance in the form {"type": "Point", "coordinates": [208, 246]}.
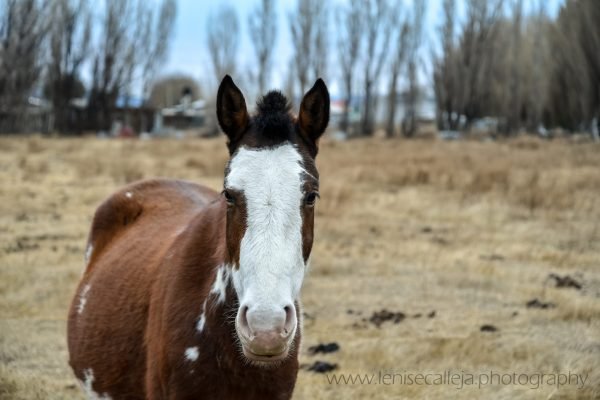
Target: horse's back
{"type": "Point", "coordinates": [130, 237]}
{"type": "Point", "coordinates": [154, 204]}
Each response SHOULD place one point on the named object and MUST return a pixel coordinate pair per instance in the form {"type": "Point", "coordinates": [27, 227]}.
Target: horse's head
{"type": "Point", "coordinates": [271, 186]}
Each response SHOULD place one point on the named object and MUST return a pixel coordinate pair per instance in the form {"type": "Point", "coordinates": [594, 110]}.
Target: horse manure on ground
{"type": "Point", "coordinates": [488, 328]}
{"type": "Point", "coordinates": [379, 317]}
{"type": "Point", "coordinates": [535, 303]}
{"type": "Point", "coordinates": [21, 246]}
{"type": "Point", "coordinates": [321, 367]}
{"type": "Point", "coordinates": [564, 281]}
{"type": "Point", "coordinates": [323, 348]}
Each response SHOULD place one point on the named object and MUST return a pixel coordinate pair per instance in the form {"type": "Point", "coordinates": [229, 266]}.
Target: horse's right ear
{"type": "Point", "coordinates": [231, 110]}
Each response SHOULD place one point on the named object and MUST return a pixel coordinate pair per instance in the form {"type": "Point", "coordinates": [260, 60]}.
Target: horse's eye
{"type": "Point", "coordinates": [228, 197]}
{"type": "Point", "coordinates": [311, 198]}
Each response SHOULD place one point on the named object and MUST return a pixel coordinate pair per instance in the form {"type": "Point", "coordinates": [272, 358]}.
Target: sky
{"type": "Point", "coordinates": [189, 55]}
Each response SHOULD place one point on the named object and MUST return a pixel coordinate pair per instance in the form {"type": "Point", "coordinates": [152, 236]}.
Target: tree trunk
{"type": "Point", "coordinates": [345, 123]}
{"type": "Point", "coordinates": [367, 129]}
{"type": "Point", "coordinates": [392, 101]}
{"type": "Point", "coordinates": [410, 120]}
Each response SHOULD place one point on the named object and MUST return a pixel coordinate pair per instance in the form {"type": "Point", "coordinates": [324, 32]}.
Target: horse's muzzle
{"type": "Point", "coordinates": [266, 335]}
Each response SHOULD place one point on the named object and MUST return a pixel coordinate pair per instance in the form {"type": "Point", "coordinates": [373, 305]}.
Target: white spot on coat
{"type": "Point", "coordinates": [83, 298]}
{"type": "Point", "coordinates": [128, 195]}
{"type": "Point", "coordinates": [201, 322]}
{"type": "Point", "coordinates": [219, 286]}
{"type": "Point", "coordinates": [88, 253]}
{"type": "Point", "coordinates": [202, 318]}
{"type": "Point", "coordinates": [86, 386]}
{"type": "Point", "coordinates": [191, 353]}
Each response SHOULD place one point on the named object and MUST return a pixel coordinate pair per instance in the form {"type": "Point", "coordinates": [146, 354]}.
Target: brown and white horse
{"type": "Point", "coordinates": [191, 294]}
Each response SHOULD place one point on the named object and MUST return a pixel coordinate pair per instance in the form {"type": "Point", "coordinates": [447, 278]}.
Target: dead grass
{"type": "Point", "coordinates": [470, 230]}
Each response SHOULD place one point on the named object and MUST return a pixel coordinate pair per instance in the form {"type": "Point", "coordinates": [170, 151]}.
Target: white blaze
{"type": "Point", "coordinates": [271, 266]}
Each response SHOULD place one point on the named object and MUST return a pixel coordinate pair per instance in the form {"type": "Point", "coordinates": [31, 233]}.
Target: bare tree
{"type": "Point", "coordinates": [223, 39]}
{"type": "Point", "coordinates": [397, 65]}
{"type": "Point", "coordinates": [349, 23]}
{"type": "Point", "coordinates": [132, 43]}
{"type": "Point", "coordinates": [537, 69]}
{"type": "Point", "coordinates": [377, 29]}
{"type": "Point", "coordinates": [514, 95]}
{"type": "Point", "coordinates": [69, 47]}
{"type": "Point", "coordinates": [308, 26]}
{"type": "Point", "coordinates": [290, 80]}
{"type": "Point", "coordinates": [112, 62]}
{"type": "Point", "coordinates": [465, 74]}
{"type": "Point", "coordinates": [478, 55]}
{"type": "Point", "coordinates": [520, 66]}
{"type": "Point", "coordinates": [157, 31]}
{"type": "Point", "coordinates": [413, 92]}
{"type": "Point", "coordinates": [446, 71]}
{"type": "Point", "coordinates": [263, 31]}
{"type": "Point", "coordinates": [589, 40]}
{"type": "Point", "coordinates": [574, 101]}
{"type": "Point", "coordinates": [23, 28]}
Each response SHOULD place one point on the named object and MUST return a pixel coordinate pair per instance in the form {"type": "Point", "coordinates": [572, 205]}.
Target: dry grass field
{"type": "Point", "coordinates": [453, 235]}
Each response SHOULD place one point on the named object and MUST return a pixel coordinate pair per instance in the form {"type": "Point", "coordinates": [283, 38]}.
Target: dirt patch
{"type": "Point", "coordinates": [564, 281]}
{"type": "Point", "coordinates": [379, 317]}
{"type": "Point", "coordinates": [324, 348]}
{"type": "Point", "coordinates": [535, 303]}
{"type": "Point", "coordinates": [322, 367]}
{"type": "Point", "coordinates": [488, 328]}
{"type": "Point", "coordinates": [21, 246]}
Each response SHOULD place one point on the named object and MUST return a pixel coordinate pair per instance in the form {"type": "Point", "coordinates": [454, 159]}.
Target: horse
{"type": "Point", "coordinates": [189, 293]}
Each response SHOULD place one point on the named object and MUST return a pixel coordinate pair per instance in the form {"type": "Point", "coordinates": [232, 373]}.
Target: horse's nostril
{"type": "Point", "coordinates": [290, 319]}
{"type": "Point", "coordinates": [244, 320]}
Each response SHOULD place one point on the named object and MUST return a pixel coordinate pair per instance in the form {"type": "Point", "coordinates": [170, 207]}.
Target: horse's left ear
{"type": "Point", "coordinates": [314, 113]}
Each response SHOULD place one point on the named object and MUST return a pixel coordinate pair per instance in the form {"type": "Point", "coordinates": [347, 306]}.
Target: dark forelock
{"type": "Point", "coordinates": [273, 117]}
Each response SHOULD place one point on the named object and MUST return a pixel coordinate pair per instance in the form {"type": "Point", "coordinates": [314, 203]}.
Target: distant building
{"type": "Point", "coordinates": [185, 115]}
{"type": "Point", "coordinates": [35, 116]}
